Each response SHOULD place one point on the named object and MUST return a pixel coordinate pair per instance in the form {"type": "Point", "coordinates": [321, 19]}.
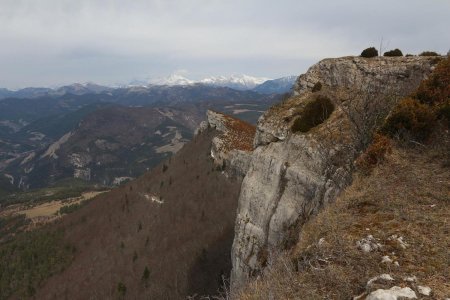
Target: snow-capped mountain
{"type": "Point", "coordinates": [174, 79]}
{"type": "Point", "coordinates": [238, 82]}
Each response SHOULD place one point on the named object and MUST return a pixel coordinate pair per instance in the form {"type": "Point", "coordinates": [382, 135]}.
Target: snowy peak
{"type": "Point", "coordinates": [174, 79]}
{"type": "Point", "coordinates": [239, 82]}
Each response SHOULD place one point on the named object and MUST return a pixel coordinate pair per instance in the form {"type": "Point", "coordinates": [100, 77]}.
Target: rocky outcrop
{"type": "Point", "coordinates": [391, 76]}
{"type": "Point", "coordinates": [350, 71]}
{"type": "Point", "coordinates": [292, 175]}
{"type": "Point", "coordinates": [232, 145]}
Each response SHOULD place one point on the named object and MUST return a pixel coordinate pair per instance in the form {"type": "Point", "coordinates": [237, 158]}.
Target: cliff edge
{"type": "Point", "coordinates": [305, 148]}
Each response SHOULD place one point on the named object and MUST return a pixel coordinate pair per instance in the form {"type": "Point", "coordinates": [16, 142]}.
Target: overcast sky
{"type": "Point", "coordinates": [53, 42]}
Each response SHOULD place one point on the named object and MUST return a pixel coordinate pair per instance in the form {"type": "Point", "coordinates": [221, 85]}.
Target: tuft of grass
{"type": "Point", "coordinates": [375, 153]}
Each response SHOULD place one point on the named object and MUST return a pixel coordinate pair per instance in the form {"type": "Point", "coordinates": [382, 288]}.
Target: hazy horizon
{"type": "Point", "coordinates": [52, 43]}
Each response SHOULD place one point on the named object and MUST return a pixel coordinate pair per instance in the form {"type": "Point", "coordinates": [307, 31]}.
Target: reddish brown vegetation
{"type": "Point", "coordinates": [375, 153]}
{"type": "Point", "coordinates": [415, 117]}
{"type": "Point", "coordinates": [436, 89]}
{"type": "Point", "coordinates": [410, 119]}
{"type": "Point", "coordinates": [239, 136]}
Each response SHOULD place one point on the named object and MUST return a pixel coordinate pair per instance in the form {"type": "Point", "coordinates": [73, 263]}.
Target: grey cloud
{"type": "Point", "coordinates": [116, 40]}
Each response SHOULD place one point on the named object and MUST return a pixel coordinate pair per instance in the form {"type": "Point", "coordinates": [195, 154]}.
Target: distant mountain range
{"type": "Point", "coordinates": [237, 82]}
{"type": "Point", "coordinates": [276, 86]}
{"type": "Point", "coordinates": [60, 134]}
{"type": "Point", "coordinates": [35, 92]}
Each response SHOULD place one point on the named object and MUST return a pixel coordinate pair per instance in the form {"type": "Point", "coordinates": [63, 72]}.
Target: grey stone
{"type": "Point", "coordinates": [292, 176]}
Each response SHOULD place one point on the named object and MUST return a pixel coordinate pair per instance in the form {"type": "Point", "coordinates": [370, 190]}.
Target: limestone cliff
{"type": "Point", "coordinates": [233, 145]}
{"type": "Point", "coordinates": [293, 172]}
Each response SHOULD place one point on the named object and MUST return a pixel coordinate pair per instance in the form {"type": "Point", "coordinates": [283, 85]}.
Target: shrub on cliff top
{"type": "Point", "coordinates": [428, 53]}
{"type": "Point", "coordinates": [395, 52]}
{"type": "Point", "coordinates": [410, 119]}
{"type": "Point", "coordinates": [436, 89]}
{"type": "Point", "coordinates": [369, 52]}
{"type": "Point", "coordinates": [415, 117]}
{"type": "Point", "coordinates": [314, 113]}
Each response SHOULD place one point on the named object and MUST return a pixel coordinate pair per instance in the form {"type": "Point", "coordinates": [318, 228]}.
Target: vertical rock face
{"type": "Point", "coordinates": [291, 175]}
{"type": "Point", "coordinates": [232, 146]}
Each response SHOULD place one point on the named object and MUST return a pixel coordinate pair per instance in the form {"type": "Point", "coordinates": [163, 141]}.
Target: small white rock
{"type": "Point", "coordinates": [321, 241]}
{"type": "Point", "coordinates": [368, 244]}
{"type": "Point", "coordinates": [399, 239]}
{"type": "Point", "coordinates": [424, 290]}
{"type": "Point", "coordinates": [386, 277]}
{"type": "Point", "coordinates": [393, 293]}
{"type": "Point", "coordinates": [386, 260]}
{"type": "Point", "coordinates": [365, 247]}
{"type": "Point", "coordinates": [382, 277]}
{"type": "Point", "coordinates": [410, 278]}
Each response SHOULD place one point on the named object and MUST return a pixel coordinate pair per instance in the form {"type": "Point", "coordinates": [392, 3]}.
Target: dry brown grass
{"type": "Point", "coordinates": [239, 136]}
{"type": "Point", "coordinates": [407, 195]}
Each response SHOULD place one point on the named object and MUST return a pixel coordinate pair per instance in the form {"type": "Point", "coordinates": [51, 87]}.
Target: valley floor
{"type": "Point", "coordinates": [42, 213]}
